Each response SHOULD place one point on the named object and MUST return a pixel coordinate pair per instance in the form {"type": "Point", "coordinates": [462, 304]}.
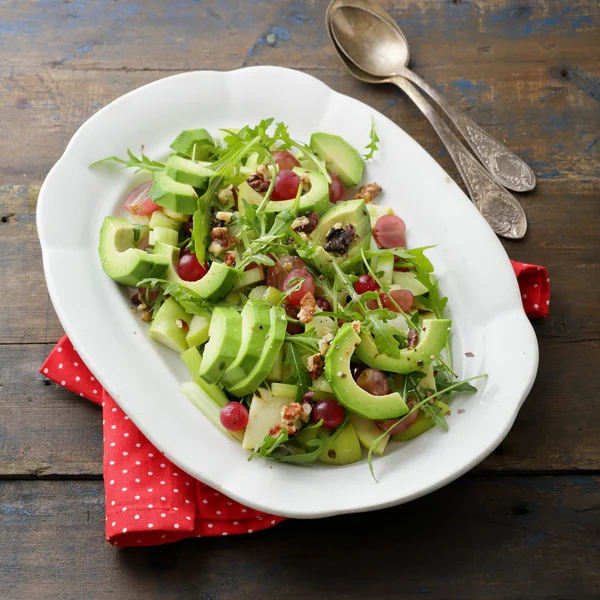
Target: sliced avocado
{"type": "Point", "coordinates": [198, 329]}
{"type": "Point", "coordinates": [256, 320]}
{"type": "Point", "coordinates": [315, 200]}
{"type": "Point", "coordinates": [276, 372]}
{"type": "Point", "coordinates": [348, 393]}
{"type": "Point", "coordinates": [352, 212]}
{"type": "Point", "coordinates": [160, 219]}
{"type": "Point", "coordinates": [164, 235]}
{"type": "Point", "coordinates": [407, 280]}
{"type": "Point", "coordinates": [249, 277]}
{"type": "Point", "coordinates": [421, 425]}
{"type": "Point", "coordinates": [225, 335]}
{"type": "Point", "coordinates": [340, 157]}
{"type": "Point", "coordinates": [165, 328]}
{"type": "Point", "coordinates": [187, 171]}
{"type": "Point", "coordinates": [200, 138]}
{"type": "Point", "coordinates": [273, 343]}
{"type": "Point", "coordinates": [368, 432]}
{"type": "Point", "coordinates": [121, 260]}
{"type": "Point", "coordinates": [432, 341]}
{"type": "Point", "coordinates": [179, 197]}
{"type": "Point", "coordinates": [265, 412]}
{"type": "Point", "coordinates": [216, 284]}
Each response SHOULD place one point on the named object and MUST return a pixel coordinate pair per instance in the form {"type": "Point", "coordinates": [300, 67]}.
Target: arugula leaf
{"type": "Point", "coordinates": [384, 338]}
{"type": "Point", "coordinates": [137, 231]}
{"type": "Point", "coordinates": [372, 146]}
{"type": "Point", "coordinates": [191, 302]}
{"type": "Point", "coordinates": [442, 381]}
{"type": "Point", "coordinates": [201, 218]}
{"type": "Point", "coordinates": [305, 339]}
{"type": "Point", "coordinates": [270, 444]}
{"type": "Point", "coordinates": [298, 374]}
{"type": "Point", "coordinates": [141, 164]}
{"type": "Point", "coordinates": [434, 301]}
{"type": "Point", "coordinates": [434, 412]}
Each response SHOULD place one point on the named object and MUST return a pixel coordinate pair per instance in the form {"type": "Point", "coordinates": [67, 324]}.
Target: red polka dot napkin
{"type": "Point", "coordinates": [149, 500]}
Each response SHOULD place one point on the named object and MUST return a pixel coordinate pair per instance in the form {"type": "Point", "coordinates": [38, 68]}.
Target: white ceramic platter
{"type": "Point", "coordinates": [144, 378]}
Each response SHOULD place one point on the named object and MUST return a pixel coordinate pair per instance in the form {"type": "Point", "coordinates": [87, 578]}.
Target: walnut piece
{"type": "Point", "coordinates": [339, 239]}
{"type": "Point", "coordinates": [258, 183]}
{"type": "Point", "coordinates": [368, 192]}
{"type": "Point", "coordinates": [229, 258]}
{"type": "Point", "coordinates": [291, 412]}
{"type": "Point", "coordinates": [221, 240]}
{"type": "Point", "coordinates": [308, 305]}
{"type": "Point", "coordinates": [306, 224]}
{"type": "Point", "coordinates": [315, 366]}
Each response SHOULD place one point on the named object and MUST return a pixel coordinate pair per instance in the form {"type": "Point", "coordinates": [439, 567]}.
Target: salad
{"type": "Point", "coordinates": [310, 330]}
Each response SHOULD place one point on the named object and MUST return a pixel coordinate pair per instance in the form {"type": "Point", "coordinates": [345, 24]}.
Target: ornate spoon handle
{"type": "Point", "coordinates": [499, 207]}
{"type": "Point", "coordinates": [504, 166]}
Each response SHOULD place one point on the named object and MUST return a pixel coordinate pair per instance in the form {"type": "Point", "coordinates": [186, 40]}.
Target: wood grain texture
{"type": "Point", "coordinates": [529, 538]}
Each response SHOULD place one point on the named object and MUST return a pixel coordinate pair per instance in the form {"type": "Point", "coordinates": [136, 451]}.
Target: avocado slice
{"type": "Point", "coordinates": [262, 368]}
{"type": "Point", "coordinates": [213, 286]}
{"type": "Point", "coordinates": [421, 425]}
{"type": "Point", "coordinates": [315, 200]}
{"type": "Point", "coordinates": [121, 260]}
{"type": "Point", "coordinates": [160, 219]}
{"type": "Point", "coordinates": [184, 143]}
{"type": "Point", "coordinates": [352, 212]}
{"type": "Point", "coordinates": [347, 392]}
{"type": "Point", "coordinates": [256, 320]}
{"type": "Point", "coordinates": [340, 157]}
{"type": "Point", "coordinates": [164, 327]}
{"type": "Point", "coordinates": [187, 171]}
{"type": "Point", "coordinates": [176, 196]}
{"type": "Point", "coordinates": [432, 341]}
{"type": "Point", "coordinates": [225, 335]}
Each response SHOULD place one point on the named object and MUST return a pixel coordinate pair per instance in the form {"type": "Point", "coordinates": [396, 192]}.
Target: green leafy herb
{"type": "Point", "coordinates": [298, 374]}
{"type": "Point", "coordinates": [191, 302]}
{"type": "Point", "coordinates": [137, 231]}
{"type": "Point", "coordinates": [201, 228]}
{"type": "Point", "coordinates": [270, 444]}
{"type": "Point", "coordinates": [384, 337]}
{"type": "Point", "coordinates": [372, 146]}
{"type": "Point", "coordinates": [442, 381]}
{"type": "Point", "coordinates": [133, 162]}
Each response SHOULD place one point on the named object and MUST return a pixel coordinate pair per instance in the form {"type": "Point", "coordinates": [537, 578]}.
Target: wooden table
{"type": "Point", "coordinates": [525, 523]}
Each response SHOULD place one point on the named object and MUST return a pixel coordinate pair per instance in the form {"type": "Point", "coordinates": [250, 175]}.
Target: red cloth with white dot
{"type": "Point", "coordinates": [149, 500]}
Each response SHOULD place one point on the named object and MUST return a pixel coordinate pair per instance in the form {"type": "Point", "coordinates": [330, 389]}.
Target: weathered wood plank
{"type": "Point", "coordinates": [47, 431]}
{"type": "Point", "coordinates": [526, 538]}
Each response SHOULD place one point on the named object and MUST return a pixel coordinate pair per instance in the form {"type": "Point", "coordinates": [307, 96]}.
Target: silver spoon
{"type": "Point", "coordinates": [500, 208]}
{"type": "Point", "coordinates": [372, 40]}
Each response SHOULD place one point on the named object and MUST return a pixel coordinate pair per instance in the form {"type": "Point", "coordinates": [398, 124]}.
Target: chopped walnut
{"type": "Point", "coordinates": [306, 410]}
{"type": "Point", "coordinates": [291, 412]}
{"type": "Point", "coordinates": [369, 192]}
{"type": "Point", "coordinates": [224, 216]}
{"type": "Point", "coordinates": [258, 183]}
{"type": "Point", "coordinates": [356, 326]}
{"type": "Point", "coordinates": [339, 239]}
{"type": "Point", "coordinates": [183, 325]}
{"type": "Point", "coordinates": [229, 258]}
{"type": "Point", "coordinates": [264, 172]}
{"type": "Point", "coordinates": [306, 224]}
{"type": "Point", "coordinates": [324, 343]}
{"type": "Point", "coordinates": [315, 366]}
{"type": "Point", "coordinates": [146, 316]}
{"type": "Point", "coordinates": [275, 430]}
{"type": "Point", "coordinates": [221, 240]}
{"type": "Point", "coordinates": [413, 338]}
{"type": "Point", "coordinates": [308, 304]}
{"type": "Point", "coordinates": [226, 195]}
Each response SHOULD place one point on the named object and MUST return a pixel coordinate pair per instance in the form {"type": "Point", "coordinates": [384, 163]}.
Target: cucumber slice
{"type": "Point", "coordinates": [285, 390]}
{"type": "Point", "coordinates": [385, 265]}
{"type": "Point", "coordinates": [193, 361]}
{"type": "Point", "coordinates": [160, 219]}
{"type": "Point", "coordinates": [179, 217]}
{"type": "Point", "coordinates": [249, 278]}
{"type": "Point", "coordinates": [205, 404]}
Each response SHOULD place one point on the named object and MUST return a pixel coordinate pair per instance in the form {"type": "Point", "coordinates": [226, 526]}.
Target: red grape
{"type": "Point", "coordinates": [336, 188]}
{"type": "Point", "coordinates": [323, 303]}
{"type": "Point", "coordinates": [286, 186]}
{"type": "Point", "coordinates": [374, 382]}
{"type": "Point", "coordinates": [403, 298]}
{"type": "Point", "coordinates": [308, 285]}
{"type": "Point", "coordinates": [365, 283]}
{"type": "Point", "coordinates": [292, 311]}
{"type": "Point", "coordinates": [138, 201]}
{"type": "Point", "coordinates": [330, 411]}
{"type": "Point", "coordinates": [285, 160]}
{"type": "Point", "coordinates": [390, 231]}
{"type": "Point", "coordinates": [402, 426]}
{"type": "Point", "coordinates": [283, 265]}
{"type": "Point", "coordinates": [189, 269]}
{"type": "Point", "coordinates": [234, 416]}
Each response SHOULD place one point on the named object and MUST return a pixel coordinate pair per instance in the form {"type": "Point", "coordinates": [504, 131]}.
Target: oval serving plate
{"type": "Point", "coordinates": [144, 378]}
